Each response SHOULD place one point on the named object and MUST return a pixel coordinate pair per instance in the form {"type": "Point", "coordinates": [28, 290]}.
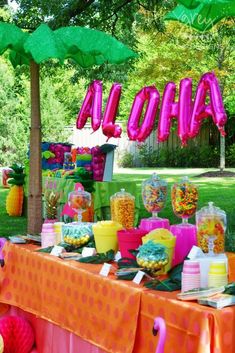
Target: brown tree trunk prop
{"type": "Point", "coordinates": [35, 161]}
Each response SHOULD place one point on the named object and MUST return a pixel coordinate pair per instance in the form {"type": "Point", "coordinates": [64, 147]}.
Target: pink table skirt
{"type": "Point", "coordinates": [53, 339]}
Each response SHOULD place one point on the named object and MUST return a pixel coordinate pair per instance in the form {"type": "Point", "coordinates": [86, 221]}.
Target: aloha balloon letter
{"type": "Point", "coordinates": [180, 110]}
{"type": "Point", "coordinates": [139, 133]}
{"type": "Point", "coordinates": [91, 107]}
{"type": "Point", "coordinates": [166, 112]}
{"type": "Point", "coordinates": [208, 83]}
{"type": "Point", "coordinates": [108, 127]}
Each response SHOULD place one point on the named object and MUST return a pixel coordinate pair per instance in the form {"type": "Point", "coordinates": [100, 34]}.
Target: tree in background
{"type": "Point", "coordinates": [167, 53]}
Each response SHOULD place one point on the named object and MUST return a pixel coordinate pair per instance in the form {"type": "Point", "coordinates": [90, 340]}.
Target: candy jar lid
{"type": "Point", "coordinates": [211, 211]}
{"type": "Point", "coordinates": [155, 181]}
{"type": "Point", "coordinates": [122, 194]}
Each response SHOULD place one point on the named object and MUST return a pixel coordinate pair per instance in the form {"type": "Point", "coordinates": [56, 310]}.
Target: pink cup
{"type": "Point", "coordinates": [129, 239]}
{"type": "Point", "coordinates": [48, 228]}
{"type": "Point", "coordinates": [48, 239]}
{"type": "Point", "coordinates": [191, 267]}
{"type": "Point", "coordinates": [148, 224]}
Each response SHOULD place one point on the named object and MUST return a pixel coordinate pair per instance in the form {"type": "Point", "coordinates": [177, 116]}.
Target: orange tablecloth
{"type": "Point", "coordinates": [101, 310]}
{"type": "Point", "coordinates": [114, 315]}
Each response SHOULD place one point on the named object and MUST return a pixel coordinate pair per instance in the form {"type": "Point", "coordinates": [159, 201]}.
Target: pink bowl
{"type": "Point", "coordinates": [129, 239]}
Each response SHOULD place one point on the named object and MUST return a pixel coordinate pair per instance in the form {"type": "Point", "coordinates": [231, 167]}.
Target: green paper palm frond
{"type": "Point", "coordinates": [87, 47]}
{"type": "Point", "coordinates": [202, 14]}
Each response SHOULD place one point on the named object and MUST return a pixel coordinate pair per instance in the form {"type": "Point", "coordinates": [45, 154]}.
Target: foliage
{"type": "Point", "coordinates": [231, 155]}
{"type": "Point", "coordinates": [13, 116]}
{"type": "Point", "coordinates": [188, 157]}
{"type": "Point", "coordinates": [126, 160]}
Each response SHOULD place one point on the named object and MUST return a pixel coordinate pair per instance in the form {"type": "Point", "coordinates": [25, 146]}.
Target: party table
{"type": "Point", "coordinates": [101, 195]}
{"type": "Point", "coordinates": [112, 315]}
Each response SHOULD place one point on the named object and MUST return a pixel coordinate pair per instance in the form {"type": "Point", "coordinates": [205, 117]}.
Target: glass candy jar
{"type": "Point", "coordinates": [211, 226]}
{"type": "Point", "coordinates": [79, 200]}
{"type": "Point", "coordinates": [184, 197]}
{"type": "Point", "coordinates": [154, 193]}
{"type": "Point", "coordinates": [123, 208]}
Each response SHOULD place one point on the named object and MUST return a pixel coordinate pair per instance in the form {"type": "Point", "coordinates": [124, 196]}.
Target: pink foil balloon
{"type": "Point", "coordinates": [208, 84]}
{"type": "Point", "coordinates": [108, 127]}
{"type": "Point", "coordinates": [166, 111]}
{"type": "Point", "coordinates": [139, 133]}
{"type": "Point", "coordinates": [184, 109]}
{"type": "Point", "coordinates": [91, 107]}
{"type": "Point", "coordinates": [181, 110]}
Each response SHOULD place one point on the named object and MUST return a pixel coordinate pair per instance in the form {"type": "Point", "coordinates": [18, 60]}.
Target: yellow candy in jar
{"type": "Point", "coordinates": [211, 226]}
{"type": "Point", "coordinates": [122, 206]}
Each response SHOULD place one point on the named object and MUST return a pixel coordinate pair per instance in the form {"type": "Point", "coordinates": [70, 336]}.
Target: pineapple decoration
{"type": "Point", "coordinates": [14, 201]}
{"type": "Point", "coordinates": [51, 199]}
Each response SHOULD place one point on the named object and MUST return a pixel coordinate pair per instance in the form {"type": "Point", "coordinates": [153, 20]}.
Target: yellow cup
{"type": "Point", "coordinates": [105, 234]}
{"type": "Point", "coordinates": [218, 267]}
{"type": "Point", "coordinates": [58, 230]}
{"type": "Point", "coordinates": [164, 237]}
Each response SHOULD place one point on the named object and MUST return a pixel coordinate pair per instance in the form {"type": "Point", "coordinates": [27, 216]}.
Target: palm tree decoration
{"type": "Point", "coordinates": [86, 47]}
{"type": "Point", "coordinates": [202, 14]}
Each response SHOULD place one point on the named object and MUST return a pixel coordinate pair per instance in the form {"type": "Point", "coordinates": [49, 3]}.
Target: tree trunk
{"type": "Point", "coordinates": [222, 153]}
{"type": "Point", "coordinates": [35, 159]}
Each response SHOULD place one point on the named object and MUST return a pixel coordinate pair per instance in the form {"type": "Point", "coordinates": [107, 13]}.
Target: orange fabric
{"type": "Point", "coordinates": [231, 266]}
{"type": "Point", "coordinates": [74, 296]}
{"type": "Point", "coordinates": [191, 328]}
{"type": "Point", "coordinates": [114, 315]}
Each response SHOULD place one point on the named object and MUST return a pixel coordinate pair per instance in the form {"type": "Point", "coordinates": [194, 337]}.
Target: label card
{"type": "Point", "coordinates": [105, 269]}
{"type": "Point", "coordinates": [118, 256]}
{"type": "Point", "coordinates": [57, 250]}
{"type": "Point", "coordinates": [88, 252]}
{"type": "Point", "coordinates": [138, 277]}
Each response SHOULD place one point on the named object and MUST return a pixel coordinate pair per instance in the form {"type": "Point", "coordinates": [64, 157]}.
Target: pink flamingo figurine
{"type": "Point", "coordinates": [159, 325]}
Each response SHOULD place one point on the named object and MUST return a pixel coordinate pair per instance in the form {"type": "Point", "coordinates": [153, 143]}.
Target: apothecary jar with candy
{"type": "Point", "coordinates": [184, 197]}
{"type": "Point", "coordinates": [154, 193]}
{"type": "Point", "coordinates": [79, 200]}
{"type": "Point", "coordinates": [123, 208]}
{"type": "Point", "coordinates": [211, 224]}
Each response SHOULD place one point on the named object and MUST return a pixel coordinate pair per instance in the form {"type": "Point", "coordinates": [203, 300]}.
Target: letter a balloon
{"type": "Point", "coordinates": [208, 84]}
{"type": "Point", "coordinates": [108, 127]}
{"type": "Point", "coordinates": [91, 107]}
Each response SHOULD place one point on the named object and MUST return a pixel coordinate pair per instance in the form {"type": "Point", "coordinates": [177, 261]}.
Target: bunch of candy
{"type": "Point", "coordinates": [76, 233]}
{"type": "Point", "coordinates": [154, 193]}
{"type": "Point", "coordinates": [123, 209]}
{"type": "Point", "coordinates": [184, 199]}
{"type": "Point", "coordinates": [152, 256]}
{"type": "Point", "coordinates": [213, 227]}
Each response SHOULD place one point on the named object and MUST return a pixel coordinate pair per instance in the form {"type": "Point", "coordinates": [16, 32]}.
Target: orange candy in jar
{"type": "Point", "coordinates": [123, 208]}
{"type": "Point", "coordinates": [184, 196]}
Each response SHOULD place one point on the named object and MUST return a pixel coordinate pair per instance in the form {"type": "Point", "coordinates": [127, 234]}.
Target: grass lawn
{"type": "Point", "coordinates": [219, 190]}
